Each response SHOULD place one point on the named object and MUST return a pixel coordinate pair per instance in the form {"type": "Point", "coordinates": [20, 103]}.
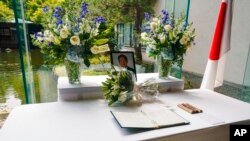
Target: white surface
{"type": "Point", "coordinates": [90, 87]}
{"type": "Point", "coordinates": [92, 120]}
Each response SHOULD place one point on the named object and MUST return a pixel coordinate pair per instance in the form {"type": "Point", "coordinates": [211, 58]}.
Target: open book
{"type": "Point", "coordinates": [148, 119]}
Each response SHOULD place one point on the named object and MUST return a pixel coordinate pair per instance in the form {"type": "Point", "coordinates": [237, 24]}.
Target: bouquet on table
{"type": "Point", "coordinates": [168, 40]}
{"type": "Point", "coordinates": [118, 88]}
{"type": "Point", "coordinates": [67, 36]}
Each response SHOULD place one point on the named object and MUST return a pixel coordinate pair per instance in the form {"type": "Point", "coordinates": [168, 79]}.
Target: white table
{"type": "Point", "coordinates": [91, 120]}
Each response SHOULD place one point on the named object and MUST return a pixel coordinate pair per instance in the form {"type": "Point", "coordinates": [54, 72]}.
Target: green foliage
{"type": "Point", "coordinates": [121, 11]}
{"type": "Point", "coordinates": [124, 11]}
{"type": "Point", "coordinates": [101, 42]}
{"type": "Point", "coordinates": [106, 35]}
{"type": "Point", "coordinates": [118, 87]}
{"type": "Point", "coordinates": [6, 14]}
{"type": "Point", "coordinates": [34, 8]}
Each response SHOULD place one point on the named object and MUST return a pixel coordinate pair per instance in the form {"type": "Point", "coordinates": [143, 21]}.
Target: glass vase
{"type": "Point", "coordinates": [164, 67]}
{"type": "Point", "coordinates": [73, 71]}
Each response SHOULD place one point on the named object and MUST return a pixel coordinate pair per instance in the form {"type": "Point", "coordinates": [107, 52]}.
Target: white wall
{"type": "Point", "coordinates": [203, 13]}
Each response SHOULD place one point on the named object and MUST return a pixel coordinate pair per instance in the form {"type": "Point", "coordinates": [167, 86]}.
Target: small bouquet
{"type": "Point", "coordinates": [118, 88]}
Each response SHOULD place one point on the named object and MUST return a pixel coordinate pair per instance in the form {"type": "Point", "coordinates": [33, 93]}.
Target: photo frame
{"type": "Point", "coordinates": [123, 59]}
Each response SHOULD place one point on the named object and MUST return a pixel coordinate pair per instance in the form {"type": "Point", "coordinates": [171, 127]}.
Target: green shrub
{"type": "Point", "coordinates": [6, 14]}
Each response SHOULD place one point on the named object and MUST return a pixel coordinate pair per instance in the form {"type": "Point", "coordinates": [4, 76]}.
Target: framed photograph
{"type": "Point", "coordinates": [124, 59]}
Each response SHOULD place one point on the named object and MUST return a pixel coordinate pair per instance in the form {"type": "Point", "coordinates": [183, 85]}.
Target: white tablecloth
{"type": "Point", "coordinates": [91, 120]}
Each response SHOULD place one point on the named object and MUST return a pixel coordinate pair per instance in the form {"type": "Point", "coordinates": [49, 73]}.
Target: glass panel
{"type": "Point", "coordinates": [21, 26]}
{"type": "Point", "coordinates": [40, 82]}
{"type": "Point", "coordinates": [12, 91]}
{"type": "Point", "coordinates": [245, 92]}
{"type": "Point", "coordinates": [246, 81]}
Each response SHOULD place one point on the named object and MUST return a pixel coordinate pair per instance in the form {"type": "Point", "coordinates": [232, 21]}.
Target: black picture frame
{"type": "Point", "coordinates": [114, 58]}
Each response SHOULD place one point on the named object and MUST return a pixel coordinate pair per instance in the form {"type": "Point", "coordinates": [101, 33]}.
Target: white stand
{"type": "Point", "coordinates": [91, 86]}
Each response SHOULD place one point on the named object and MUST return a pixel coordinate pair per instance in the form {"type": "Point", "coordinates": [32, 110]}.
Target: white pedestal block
{"type": "Point", "coordinates": [90, 87]}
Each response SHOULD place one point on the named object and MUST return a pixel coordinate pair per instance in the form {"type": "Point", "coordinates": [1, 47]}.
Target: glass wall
{"type": "Point", "coordinates": [245, 92]}
{"type": "Point", "coordinates": [39, 82]}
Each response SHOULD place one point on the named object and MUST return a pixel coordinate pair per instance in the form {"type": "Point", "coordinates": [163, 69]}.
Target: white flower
{"type": "Point", "coordinates": [144, 36]}
{"type": "Point", "coordinates": [95, 32]}
{"type": "Point", "coordinates": [103, 48]}
{"type": "Point", "coordinates": [40, 39]}
{"type": "Point", "coordinates": [75, 40]}
{"type": "Point", "coordinates": [47, 33]}
{"type": "Point", "coordinates": [168, 27]}
{"type": "Point", "coordinates": [183, 40]}
{"type": "Point", "coordinates": [156, 20]}
{"type": "Point", "coordinates": [122, 98]}
{"type": "Point", "coordinates": [94, 50]}
{"type": "Point", "coordinates": [64, 33]}
{"type": "Point", "coordinates": [99, 49]}
{"type": "Point", "coordinates": [162, 38]}
{"type": "Point", "coordinates": [153, 26]}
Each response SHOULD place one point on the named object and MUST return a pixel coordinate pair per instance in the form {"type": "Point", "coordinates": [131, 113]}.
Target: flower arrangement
{"type": "Point", "coordinates": [168, 36]}
{"type": "Point", "coordinates": [118, 88]}
{"type": "Point", "coordinates": [68, 33]}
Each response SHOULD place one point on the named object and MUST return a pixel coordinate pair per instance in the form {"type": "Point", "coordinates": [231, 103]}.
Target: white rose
{"type": "Point", "coordinates": [156, 20]}
{"type": "Point", "coordinates": [47, 33]}
{"type": "Point", "coordinates": [184, 40]}
{"type": "Point", "coordinates": [162, 38]}
{"type": "Point", "coordinates": [75, 40]}
{"type": "Point", "coordinates": [144, 36]}
{"type": "Point", "coordinates": [153, 26]}
{"type": "Point", "coordinates": [103, 48]}
{"type": "Point", "coordinates": [40, 39]}
{"type": "Point", "coordinates": [64, 33]}
{"type": "Point", "coordinates": [94, 50]}
{"type": "Point", "coordinates": [168, 27]}
{"type": "Point", "coordinates": [122, 98]}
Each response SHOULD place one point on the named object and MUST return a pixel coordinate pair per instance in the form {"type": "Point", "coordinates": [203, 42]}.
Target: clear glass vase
{"type": "Point", "coordinates": [73, 71]}
{"type": "Point", "coordinates": [165, 62]}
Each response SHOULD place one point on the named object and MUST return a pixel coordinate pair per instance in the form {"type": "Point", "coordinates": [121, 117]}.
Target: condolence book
{"type": "Point", "coordinates": [149, 119]}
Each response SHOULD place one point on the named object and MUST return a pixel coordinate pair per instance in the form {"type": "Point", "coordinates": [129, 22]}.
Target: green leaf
{"type": "Point", "coordinates": [101, 42]}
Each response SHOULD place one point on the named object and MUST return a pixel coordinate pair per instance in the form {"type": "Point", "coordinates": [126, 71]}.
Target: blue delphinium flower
{"type": "Point", "coordinates": [84, 10]}
{"type": "Point", "coordinates": [147, 16]}
{"type": "Point", "coordinates": [38, 34]}
{"type": "Point", "coordinates": [57, 14]}
{"type": "Point", "coordinates": [99, 19]}
{"type": "Point", "coordinates": [46, 9]}
{"type": "Point", "coordinates": [59, 22]}
{"type": "Point", "coordinates": [165, 18]}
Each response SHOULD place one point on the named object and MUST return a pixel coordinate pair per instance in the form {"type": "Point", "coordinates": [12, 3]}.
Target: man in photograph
{"type": "Point", "coordinates": [123, 62]}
